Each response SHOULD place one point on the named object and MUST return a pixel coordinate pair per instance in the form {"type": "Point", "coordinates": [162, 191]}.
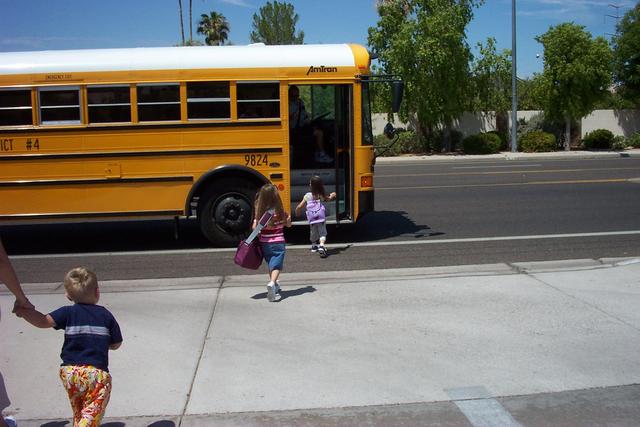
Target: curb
{"type": "Point", "coordinates": [556, 155]}
{"type": "Point", "coordinates": [353, 276]}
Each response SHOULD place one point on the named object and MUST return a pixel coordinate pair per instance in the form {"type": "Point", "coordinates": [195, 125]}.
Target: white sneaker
{"type": "Point", "coordinates": [322, 251]}
{"type": "Point", "coordinates": [11, 422]}
{"type": "Point", "coordinates": [314, 248]}
{"type": "Point", "coordinates": [271, 292]}
{"type": "Point", "coordinates": [277, 286]}
{"type": "Point", "coordinates": [322, 157]}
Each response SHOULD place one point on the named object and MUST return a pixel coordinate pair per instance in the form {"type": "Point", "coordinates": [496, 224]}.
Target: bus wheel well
{"type": "Point", "coordinates": [210, 180]}
{"type": "Point", "coordinates": [224, 206]}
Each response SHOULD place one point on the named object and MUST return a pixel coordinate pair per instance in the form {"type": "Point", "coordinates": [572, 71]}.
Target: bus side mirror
{"type": "Point", "coordinates": [397, 88]}
{"type": "Point", "coordinates": [389, 131]}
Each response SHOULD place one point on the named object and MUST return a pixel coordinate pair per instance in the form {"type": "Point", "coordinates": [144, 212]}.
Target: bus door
{"type": "Point", "coordinates": [343, 151]}
{"type": "Point", "coordinates": [322, 146]}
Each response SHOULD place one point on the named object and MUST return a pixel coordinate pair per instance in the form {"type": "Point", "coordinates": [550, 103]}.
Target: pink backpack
{"type": "Point", "coordinates": [315, 211]}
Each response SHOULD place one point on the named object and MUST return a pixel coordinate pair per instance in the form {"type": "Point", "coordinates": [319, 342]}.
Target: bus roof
{"type": "Point", "coordinates": [179, 58]}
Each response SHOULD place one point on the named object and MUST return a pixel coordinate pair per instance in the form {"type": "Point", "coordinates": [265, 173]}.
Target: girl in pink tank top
{"type": "Point", "coordinates": [272, 235]}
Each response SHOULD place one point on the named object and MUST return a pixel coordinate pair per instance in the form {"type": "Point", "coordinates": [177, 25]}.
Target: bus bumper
{"type": "Point", "coordinates": [365, 202]}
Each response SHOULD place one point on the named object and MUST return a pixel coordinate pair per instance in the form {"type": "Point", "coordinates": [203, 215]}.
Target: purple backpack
{"type": "Point", "coordinates": [315, 211]}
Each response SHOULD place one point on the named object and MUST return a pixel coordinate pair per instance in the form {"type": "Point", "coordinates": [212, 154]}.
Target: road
{"type": "Point", "coordinates": [428, 214]}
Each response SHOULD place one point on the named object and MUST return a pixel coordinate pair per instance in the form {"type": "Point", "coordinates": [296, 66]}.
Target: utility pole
{"type": "Point", "coordinates": [514, 85]}
{"type": "Point", "coordinates": [616, 16]}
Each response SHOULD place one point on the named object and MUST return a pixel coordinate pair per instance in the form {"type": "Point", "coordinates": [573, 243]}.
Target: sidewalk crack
{"type": "Point", "coordinates": [204, 343]}
{"type": "Point", "coordinates": [624, 322]}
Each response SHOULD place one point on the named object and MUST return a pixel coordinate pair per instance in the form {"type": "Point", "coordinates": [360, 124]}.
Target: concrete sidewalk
{"type": "Point", "coordinates": [375, 347]}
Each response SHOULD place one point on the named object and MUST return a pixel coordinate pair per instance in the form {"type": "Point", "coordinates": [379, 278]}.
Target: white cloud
{"type": "Point", "coordinates": [573, 10]}
{"type": "Point", "coordinates": [240, 3]}
{"type": "Point", "coordinates": [34, 42]}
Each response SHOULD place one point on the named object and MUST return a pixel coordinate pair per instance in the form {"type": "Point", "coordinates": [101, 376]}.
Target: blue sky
{"type": "Point", "coordinates": [27, 25]}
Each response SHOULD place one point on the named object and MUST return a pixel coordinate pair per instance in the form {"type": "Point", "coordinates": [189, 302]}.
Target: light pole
{"type": "Point", "coordinates": [514, 93]}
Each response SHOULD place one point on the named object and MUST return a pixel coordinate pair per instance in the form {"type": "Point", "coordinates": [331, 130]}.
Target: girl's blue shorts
{"type": "Point", "coordinates": [274, 255]}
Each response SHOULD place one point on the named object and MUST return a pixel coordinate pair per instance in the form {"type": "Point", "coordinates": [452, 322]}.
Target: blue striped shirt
{"type": "Point", "coordinates": [89, 329]}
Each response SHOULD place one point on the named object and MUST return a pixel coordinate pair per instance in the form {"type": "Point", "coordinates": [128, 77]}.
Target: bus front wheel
{"type": "Point", "coordinates": [226, 212]}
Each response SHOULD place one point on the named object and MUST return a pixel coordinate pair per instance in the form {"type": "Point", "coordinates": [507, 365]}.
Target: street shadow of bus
{"type": "Point", "coordinates": [373, 226]}
{"type": "Point", "coordinates": [101, 237]}
{"type": "Point", "coordinates": [385, 224]}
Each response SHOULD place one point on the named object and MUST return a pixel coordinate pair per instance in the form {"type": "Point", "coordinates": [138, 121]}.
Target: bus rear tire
{"type": "Point", "coordinates": [226, 212]}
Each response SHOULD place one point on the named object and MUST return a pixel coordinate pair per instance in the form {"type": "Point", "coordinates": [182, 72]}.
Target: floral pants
{"type": "Point", "coordinates": [89, 389]}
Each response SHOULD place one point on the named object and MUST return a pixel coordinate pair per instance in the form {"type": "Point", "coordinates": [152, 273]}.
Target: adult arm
{"type": "Point", "coordinates": [9, 278]}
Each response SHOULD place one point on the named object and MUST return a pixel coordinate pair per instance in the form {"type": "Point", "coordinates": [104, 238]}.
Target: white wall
{"type": "Point", "coordinates": [620, 122]}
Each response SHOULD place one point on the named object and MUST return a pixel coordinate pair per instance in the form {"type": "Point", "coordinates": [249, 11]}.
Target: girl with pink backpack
{"type": "Point", "coordinates": [313, 202]}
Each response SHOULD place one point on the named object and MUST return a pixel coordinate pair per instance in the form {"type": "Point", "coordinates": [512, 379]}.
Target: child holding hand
{"type": "Point", "coordinates": [90, 331]}
{"type": "Point", "coordinates": [315, 210]}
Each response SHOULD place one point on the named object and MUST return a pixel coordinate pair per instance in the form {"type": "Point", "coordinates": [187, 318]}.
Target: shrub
{"type": "Point", "coordinates": [619, 143]}
{"type": "Point", "coordinates": [537, 142]}
{"type": "Point", "coordinates": [598, 139]}
{"type": "Point", "coordinates": [435, 142]}
{"type": "Point", "coordinates": [504, 139]}
{"type": "Point", "coordinates": [481, 143]}
{"type": "Point", "coordinates": [634, 140]}
{"type": "Point", "coordinates": [407, 143]}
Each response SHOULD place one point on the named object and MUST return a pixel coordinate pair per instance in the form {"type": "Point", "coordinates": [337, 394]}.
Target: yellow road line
{"type": "Point", "coordinates": [502, 172]}
{"type": "Point", "coordinates": [509, 184]}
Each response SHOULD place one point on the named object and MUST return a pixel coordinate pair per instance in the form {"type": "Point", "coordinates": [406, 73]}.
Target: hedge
{"type": "Point", "coordinates": [598, 139]}
{"type": "Point", "coordinates": [537, 141]}
{"type": "Point", "coordinates": [481, 143]}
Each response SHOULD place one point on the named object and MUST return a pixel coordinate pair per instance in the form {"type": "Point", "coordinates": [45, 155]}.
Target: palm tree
{"type": "Point", "coordinates": [214, 27]}
{"type": "Point", "coordinates": [181, 23]}
{"type": "Point", "coordinates": [190, 21]}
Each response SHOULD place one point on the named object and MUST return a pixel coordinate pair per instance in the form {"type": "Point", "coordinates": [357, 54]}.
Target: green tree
{"type": "Point", "coordinates": [214, 27]}
{"type": "Point", "coordinates": [577, 73]}
{"type": "Point", "coordinates": [424, 42]}
{"type": "Point", "coordinates": [276, 24]}
{"type": "Point", "coordinates": [529, 93]}
{"type": "Point", "coordinates": [626, 56]}
{"type": "Point", "coordinates": [491, 73]}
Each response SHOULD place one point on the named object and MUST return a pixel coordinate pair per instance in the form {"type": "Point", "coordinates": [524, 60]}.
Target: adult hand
{"type": "Point", "coordinates": [22, 303]}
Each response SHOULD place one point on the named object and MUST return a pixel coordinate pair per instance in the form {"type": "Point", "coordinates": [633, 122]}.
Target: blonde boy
{"type": "Point", "coordinates": [90, 332]}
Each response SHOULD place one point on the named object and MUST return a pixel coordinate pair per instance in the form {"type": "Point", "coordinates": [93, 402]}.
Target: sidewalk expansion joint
{"type": "Point", "coordinates": [202, 347]}
{"type": "Point", "coordinates": [587, 303]}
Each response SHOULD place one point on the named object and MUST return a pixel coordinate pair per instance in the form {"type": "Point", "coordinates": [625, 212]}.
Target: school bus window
{"type": "Point", "coordinates": [60, 105]}
{"type": "Point", "coordinates": [158, 102]}
{"type": "Point", "coordinates": [15, 107]}
{"type": "Point", "coordinates": [208, 100]}
{"type": "Point", "coordinates": [258, 100]}
{"type": "Point", "coordinates": [367, 126]}
{"type": "Point", "coordinates": [109, 104]}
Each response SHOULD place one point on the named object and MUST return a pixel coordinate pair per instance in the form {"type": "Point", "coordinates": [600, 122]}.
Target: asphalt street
{"type": "Point", "coordinates": [435, 211]}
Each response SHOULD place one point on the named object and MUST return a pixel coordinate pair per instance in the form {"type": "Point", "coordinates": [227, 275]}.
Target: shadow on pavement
{"type": "Point", "coordinates": [373, 226]}
{"type": "Point", "coordinates": [159, 235]}
{"type": "Point", "coordinates": [286, 294]}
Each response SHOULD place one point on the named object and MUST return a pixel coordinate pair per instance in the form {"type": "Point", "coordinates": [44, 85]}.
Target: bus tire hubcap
{"type": "Point", "coordinates": [232, 213]}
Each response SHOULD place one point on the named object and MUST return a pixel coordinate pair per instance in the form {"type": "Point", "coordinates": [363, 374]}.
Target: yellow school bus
{"type": "Point", "coordinates": [182, 132]}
